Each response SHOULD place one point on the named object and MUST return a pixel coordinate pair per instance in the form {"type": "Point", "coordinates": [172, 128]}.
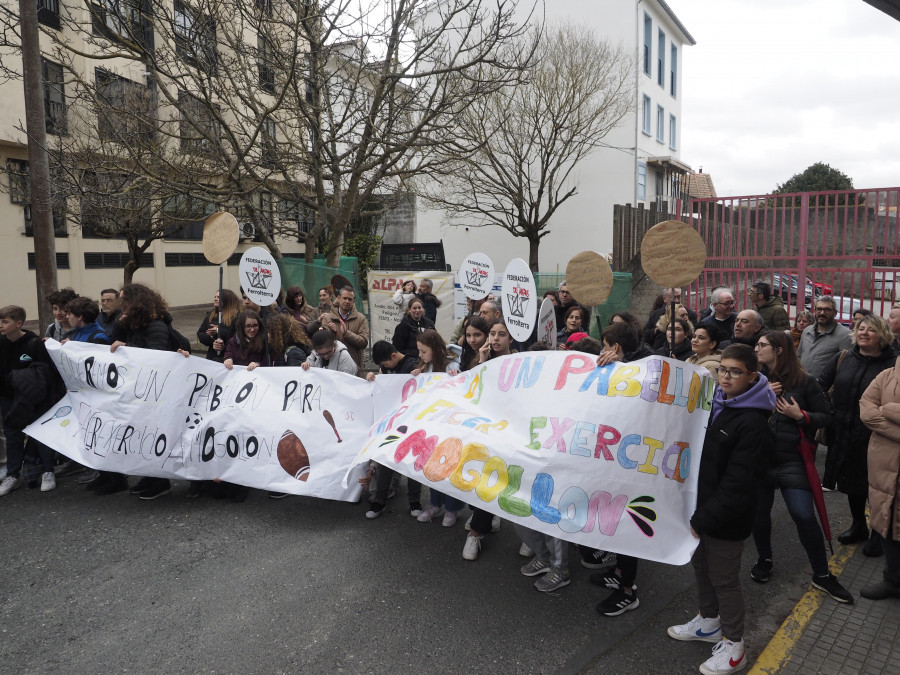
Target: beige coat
{"type": "Point", "coordinates": [879, 409]}
{"type": "Point", "coordinates": [710, 362]}
{"type": "Point", "coordinates": [353, 332]}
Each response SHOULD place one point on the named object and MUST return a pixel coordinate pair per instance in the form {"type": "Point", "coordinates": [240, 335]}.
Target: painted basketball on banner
{"type": "Point", "coordinates": [519, 300]}
{"type": "Point", "coordinates": [476, 274]}
{"type": "Point", "coordinates": [546, 331]}
{"type": "Point", "coordinates": [260, 277]}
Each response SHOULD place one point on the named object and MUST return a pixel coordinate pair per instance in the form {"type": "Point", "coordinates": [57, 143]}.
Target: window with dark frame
{"type": "Point", "coordinates": [648, 41]}
{"type": "Point", "coordinates": [48, 13]}
{"type": "Point", "coordinates": [62, 261]}
{"type": "Point", "coordinates": [113, 206]}
{"type": "Point", "coordinates": [121, 19]}
{"type": "Point", "coordinates": [184, 216]}
{"type": "Point", "coordinates": [197, 125]}
{"type": "Point", "coordinates": [125, 109]}
{"type": "Point", "coordinates": [17, 172]}
{"type": "Point", "coordinates": [54, 97]}
{"type": "Point", "coordinates": [268, 139]}
{"type": "Point", "coordinates": [195, 37]}
{"type": "Point", "coordinates": [661, 60]}
{"type": "Point", "coordinates": [94, 261]}
{"type": "Point", "coordinates": [264, 64]}
{"type": "Point", "coordinates": [673, 72]}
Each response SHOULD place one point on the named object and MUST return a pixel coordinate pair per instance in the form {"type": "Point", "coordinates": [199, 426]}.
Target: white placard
{"type": "Point", "coordinates": [520, 303]}
{"type": "Point", "coordinates": [547, 329]}
{"type": "Point", "coordinates": [260, 276]}
{"type": "Point", "coordinates": [605, 457]}
{"type": "Point", "coordinates": [476, 276]}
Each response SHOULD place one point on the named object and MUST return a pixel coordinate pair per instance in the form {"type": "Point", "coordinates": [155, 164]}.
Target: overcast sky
{"type": "Point", "coordinates": [773, 86]}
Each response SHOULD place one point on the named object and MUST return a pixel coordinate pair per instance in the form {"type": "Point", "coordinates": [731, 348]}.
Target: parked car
{"type": "Point", "coordinates": [786, 285]}
{"type": "Point", "coordinates": [820, 287]}
{"type": "Point", "coordinates": [846, 306]}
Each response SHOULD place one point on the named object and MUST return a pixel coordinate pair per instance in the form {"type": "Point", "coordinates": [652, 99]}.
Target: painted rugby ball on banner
{"type": "Point", "coordinates": [293, 457]}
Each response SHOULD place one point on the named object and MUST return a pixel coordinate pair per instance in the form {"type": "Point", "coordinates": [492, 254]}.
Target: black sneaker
{"type": "Point", "coordinates": [832, 586]}
{"type": "Point", "coordinates": [598, 560]}
{"type": "Point", "coordinates": [762, 570]}
{"type": "Point", "coordinates": [618, 602]}
{"type": "Point", "coordinates": [159, 488]}
{"type": "Point", "coordinates": [606, 580]}
{"type": "Point", "coordinates": [108, 485]}
{"type": "Point", "coordinates": [143, 484]}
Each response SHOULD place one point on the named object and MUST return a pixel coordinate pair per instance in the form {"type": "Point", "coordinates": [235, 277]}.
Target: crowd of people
{"type": "Point", "coordinates": [779, 386]}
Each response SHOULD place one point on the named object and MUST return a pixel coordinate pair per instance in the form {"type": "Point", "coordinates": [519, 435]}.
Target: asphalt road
{"type": "Point", "coordinates": [301, 585]}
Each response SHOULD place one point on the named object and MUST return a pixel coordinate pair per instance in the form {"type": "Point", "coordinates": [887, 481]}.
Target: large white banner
{"type": "Point", "coordinates": [606, 457]}
{"type": "Point", "coordinates": [384, 315]}
{"type": "Point", "coordinates": [153, 413]}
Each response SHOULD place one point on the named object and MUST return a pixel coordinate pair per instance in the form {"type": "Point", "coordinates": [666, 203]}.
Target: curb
{"type": "Point", "coordinates": [778, 651]}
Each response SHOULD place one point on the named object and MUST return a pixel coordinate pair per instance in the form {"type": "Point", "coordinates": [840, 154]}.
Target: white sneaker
{"type": "Point", "coordinates": [698, 628]}
{"type": "Point", "coordinates": [472, 548]}
{"type": "Point", "coordinates": [449, 519]}
{"type": "Point", "coordinates": [728, 657]}
{"type": "Point", "coordinates": [9, 484]}
{"type": "Point", "coordinates": [48, 481]}
{"type": "Point", "coordinates": [525, 551]}
{"type": "Point", "coordinates": [3, 472]}
{"type": "Point", "coordinates": [430, 514]}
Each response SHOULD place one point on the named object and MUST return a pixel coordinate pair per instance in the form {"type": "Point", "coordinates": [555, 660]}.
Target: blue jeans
{"type": "Point", "coordinates": [803, 512]}
{"type": "Point", "coordinates": [15, 446]}
{"type": "Point", "coordinates": [440, 499]}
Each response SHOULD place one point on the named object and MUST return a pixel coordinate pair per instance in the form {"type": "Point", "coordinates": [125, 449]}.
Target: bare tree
{"type": "Point", "coordinates": [296, 115]}
{"type": "Point", "coordinates": [530, 138]}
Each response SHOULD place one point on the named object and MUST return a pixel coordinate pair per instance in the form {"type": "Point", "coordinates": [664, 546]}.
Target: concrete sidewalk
{"type": "Point", "coordinates": [823, 636]}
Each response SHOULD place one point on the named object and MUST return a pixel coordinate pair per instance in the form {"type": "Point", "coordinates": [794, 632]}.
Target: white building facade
{"type": "Point", "coordinates": [641, 162]}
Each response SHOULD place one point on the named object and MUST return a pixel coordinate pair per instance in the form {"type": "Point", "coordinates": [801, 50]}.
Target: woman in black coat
{"type": "Point", "coordinates": [683, 334]}
{"type": "Point", "coordinates": [850, 374]}
{"type": "Point", "coordinates": [413, 323]}
{"type": "Point", "coordinates": [801, 409]}
{"type": "Point", "coordinates": [211, 329]}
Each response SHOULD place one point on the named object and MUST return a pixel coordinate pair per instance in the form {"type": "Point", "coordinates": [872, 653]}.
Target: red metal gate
{"type": "Point", "coordinates": [841, 243]}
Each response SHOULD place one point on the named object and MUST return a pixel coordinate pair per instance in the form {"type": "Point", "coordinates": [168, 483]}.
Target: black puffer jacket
{"type": "Point", "coordinates": [848, 437]}
{"type": "Point", "coordinates": [786, 466]}
{"type": "Point", "coordinates": [682, 351]}
{"type": "Point", "coordinates": [155, 335]}
{"type": "Point", "coordinates": [225, 332]}
{"type": "Point", "coordinates": [407, 331]}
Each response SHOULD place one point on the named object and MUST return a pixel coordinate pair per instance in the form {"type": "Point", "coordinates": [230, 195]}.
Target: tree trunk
{"type": "Point", "coordinates": [335, 245]}
{"type": "Point", "coordinates": [533, 243]}
{"type": "Point", "coordinates": [130, 268]}
{"type": "Point", "coordinates": [39, 164]}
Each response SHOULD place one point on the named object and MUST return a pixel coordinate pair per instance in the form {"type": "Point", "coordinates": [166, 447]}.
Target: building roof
{"type": "Point", "coordinates": [889, 7]}
{"type": "Point", "coordinates": [668, 10]}
{"type": "Point", "coordinates": [700, 186]}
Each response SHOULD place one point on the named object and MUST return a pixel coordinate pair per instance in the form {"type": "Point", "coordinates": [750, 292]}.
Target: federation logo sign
{"type": "Point", "coordinates": [259, 278]}
{"type": "Point", "coordinates": [476, 277]}
{"type": "Point", "coordinates": [518, 301]}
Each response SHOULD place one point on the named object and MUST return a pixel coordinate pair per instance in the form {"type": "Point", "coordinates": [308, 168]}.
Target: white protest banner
{"type": "Point", "coordinates": [606, 457]}
{"type": "Point", "coordinates": [153, 413]}
{"type": "Point", "coordinates": [384, 314]}
{"type": "Point", "coordinates": [260, 276]}
{"type": "Point", "coordinates": [519, 300]}
{"type": "Point", "coordinates": [546, 328]}
{"type": "Point", "coordinates": [476, 275]}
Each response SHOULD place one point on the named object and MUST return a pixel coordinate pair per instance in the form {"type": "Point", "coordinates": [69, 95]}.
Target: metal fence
{"type": "Point", "coordinates": [841, 243]}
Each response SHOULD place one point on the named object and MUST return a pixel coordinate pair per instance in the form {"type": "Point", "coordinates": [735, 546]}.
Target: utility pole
{"type": "Point", "coordinates": [39, 163]}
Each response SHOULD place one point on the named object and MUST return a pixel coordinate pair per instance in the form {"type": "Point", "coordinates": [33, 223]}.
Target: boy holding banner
{"type": "Point", "coordinates": [726, 501]}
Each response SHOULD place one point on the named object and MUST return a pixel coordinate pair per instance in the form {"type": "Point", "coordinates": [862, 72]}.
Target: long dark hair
{"type": "Point", "coordinates": [469, 355]}
{"type": "Point", "coordinates": [295, 293]}
{"type": "Point", "coordinates": [284, 331]}
{"type": "Point", "coordinates": [787, 368]}
{"type": "Point", "coordinates": [141, 305]}
{"type": "Point", "coordinates": [249, 345]}
{"type": "Point", "coordinates": [433, 340]}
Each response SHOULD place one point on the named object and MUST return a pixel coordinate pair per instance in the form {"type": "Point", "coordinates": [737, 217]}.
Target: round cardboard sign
{"type": "Point", "coordinates": [673, 254]}
{"type": "Point", "coordinates": [519, 299]}
{"type": "Point", "coordinates": [338, 282]}
{"type": "Point", "coordinates": [220, 237]}
{"type": "Point", "coordinates": [476, 276]}
{"type": "Point", "coordinates": [546, 330]}
{"type": "Point", "coordinates": [260, 277]}
{"type": "Point", "coordinates": [589, 278]}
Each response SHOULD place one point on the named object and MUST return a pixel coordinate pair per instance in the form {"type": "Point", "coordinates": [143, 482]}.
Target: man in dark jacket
{"type": "Point", "coordinates": [109, 309]}
{"type": "Point", "coordinates": [731, 469]}
{"type": "Point", "coordinates": [19, 350]}
{"type": "Point", "coordinates": [429, 299]}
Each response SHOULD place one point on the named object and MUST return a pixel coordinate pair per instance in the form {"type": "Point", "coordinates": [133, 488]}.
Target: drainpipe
{"type": "Point", "coordinates": [638, 24]}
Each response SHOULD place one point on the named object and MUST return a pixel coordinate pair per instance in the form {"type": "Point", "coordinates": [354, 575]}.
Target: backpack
{"type": "Point", "coordinates": [177, 340]}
